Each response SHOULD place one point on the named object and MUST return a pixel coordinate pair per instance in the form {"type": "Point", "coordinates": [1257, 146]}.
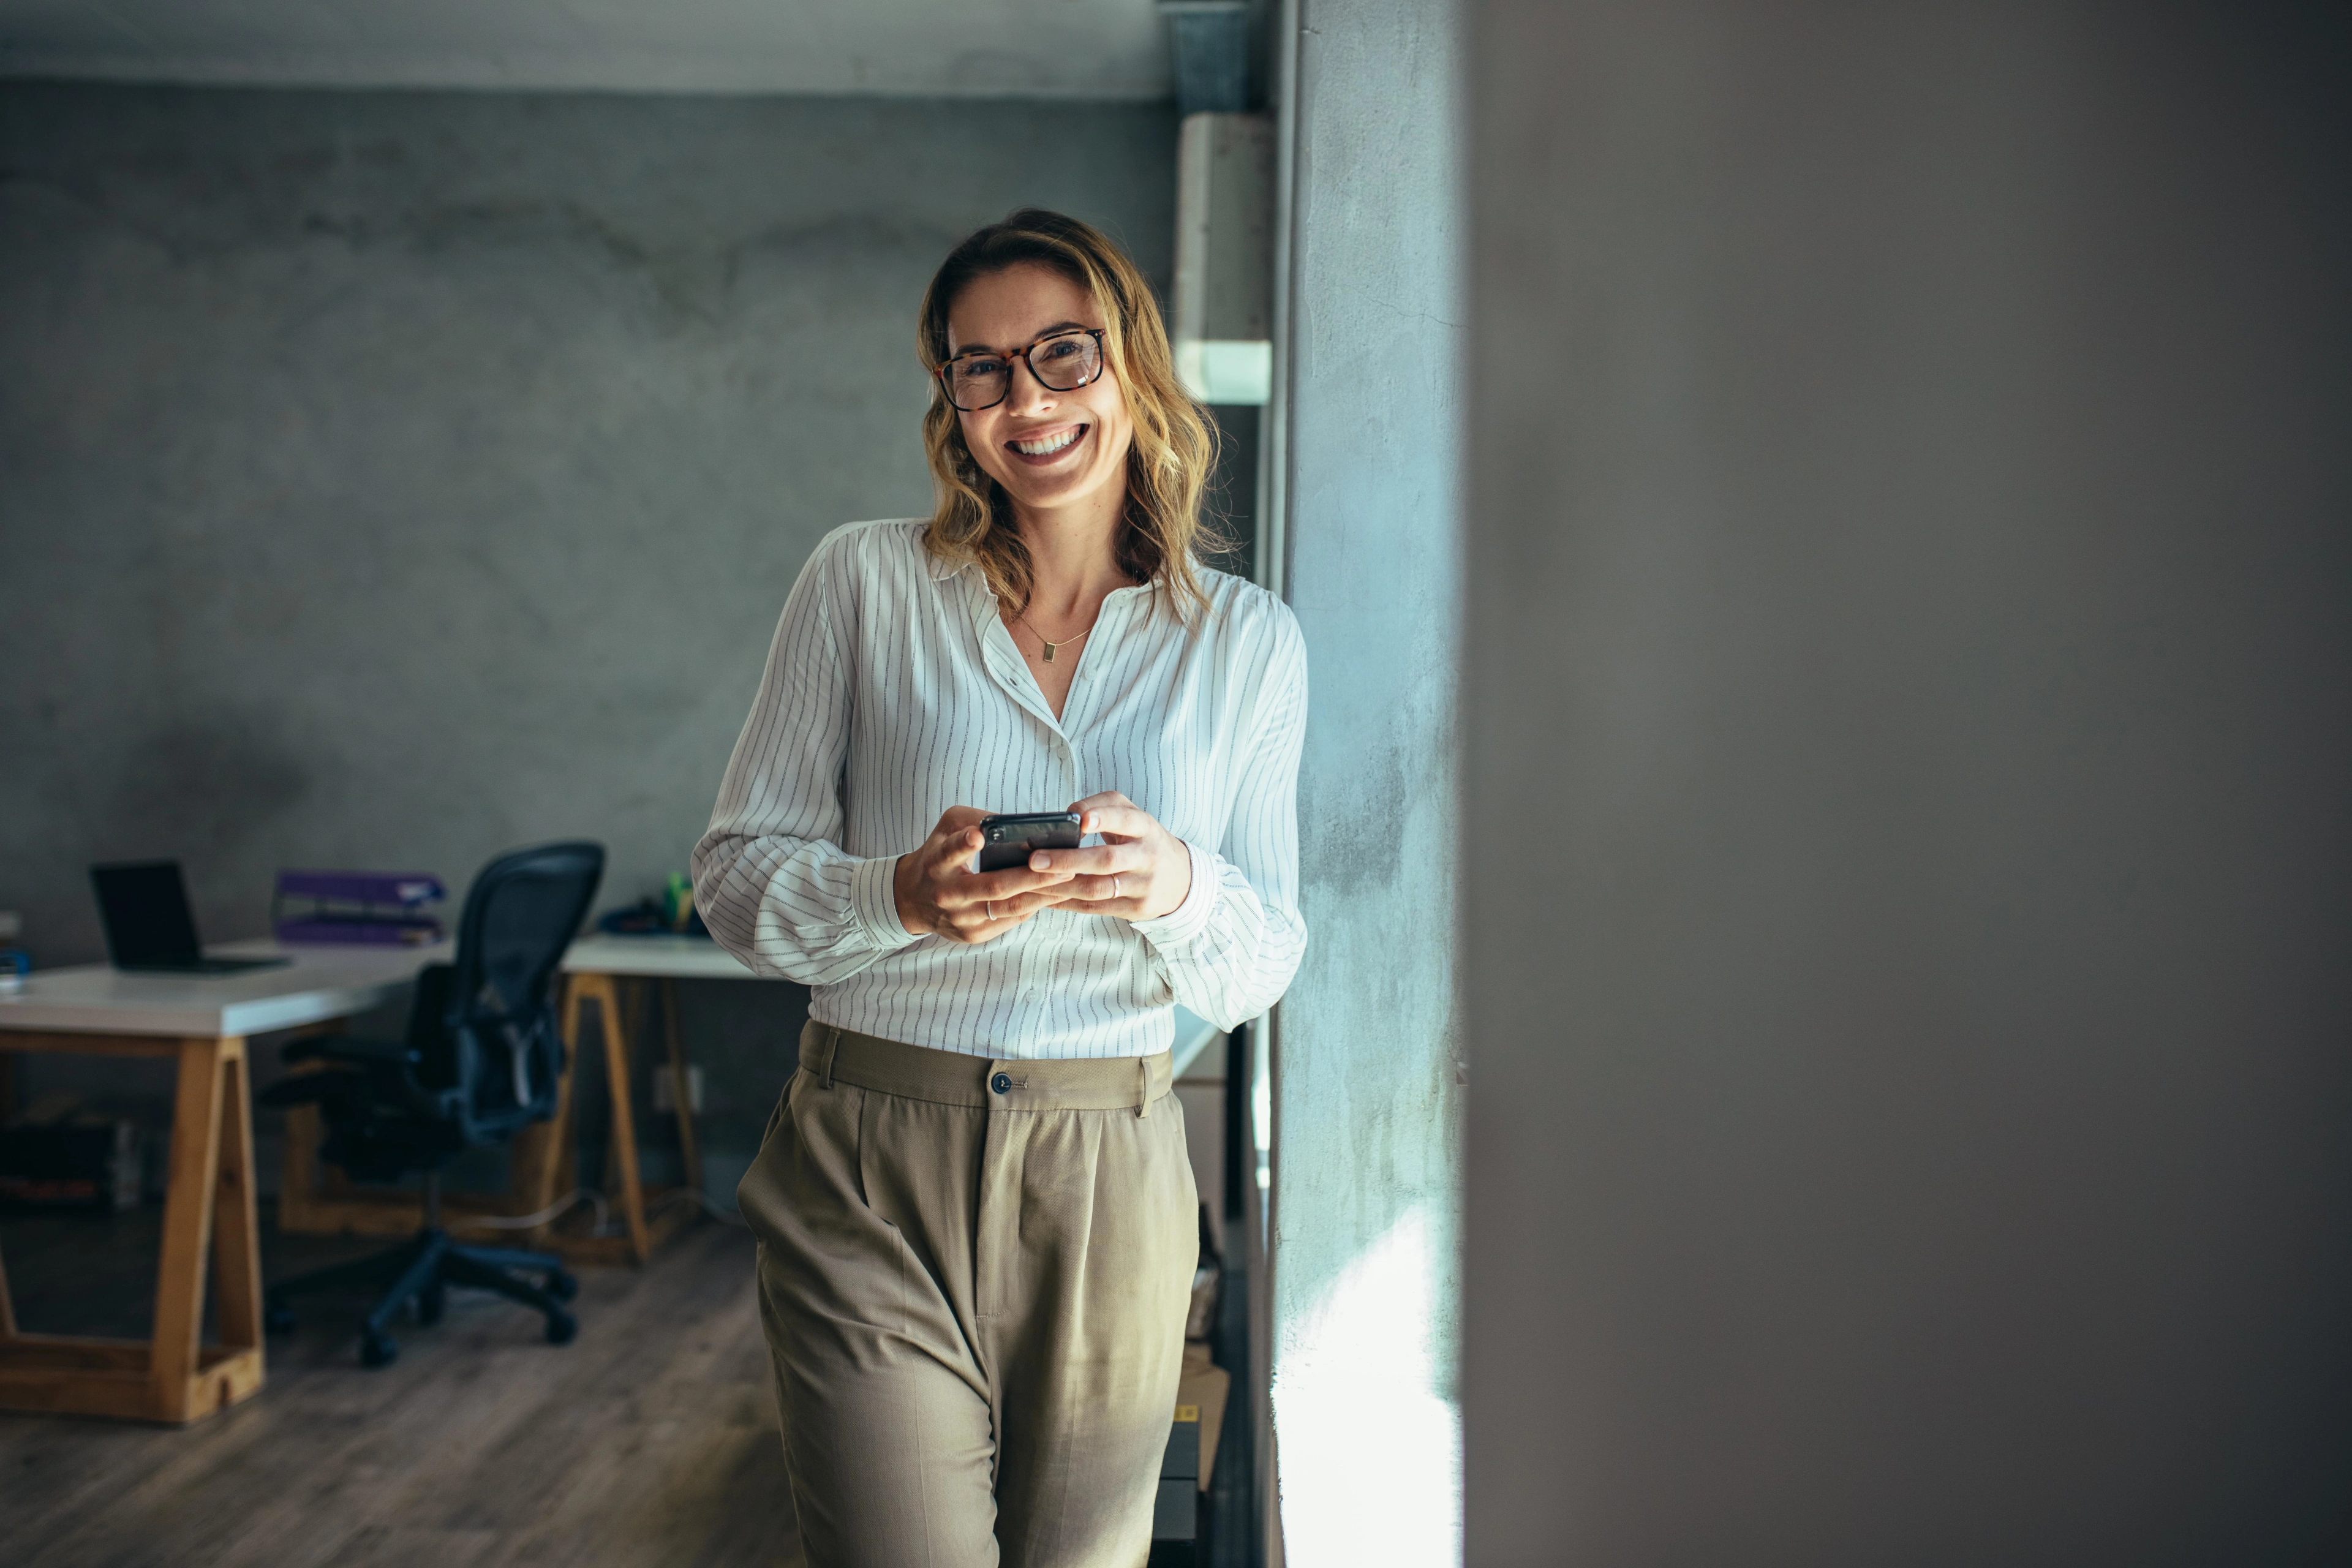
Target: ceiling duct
{"type": "Point", "coordinates": [1224, 293]}
{"type": "Point", "coordinates": [1211, 42]}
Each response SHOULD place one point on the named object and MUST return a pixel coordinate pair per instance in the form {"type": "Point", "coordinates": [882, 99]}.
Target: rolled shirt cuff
{"type": "Point", "coordinates": [1188, 919]}
{"type": "Point", "coordinates": [874, 904]}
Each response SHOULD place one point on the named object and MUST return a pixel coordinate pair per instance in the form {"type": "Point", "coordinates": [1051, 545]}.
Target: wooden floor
{"type": "Point", "coordinates": [650, 1440]}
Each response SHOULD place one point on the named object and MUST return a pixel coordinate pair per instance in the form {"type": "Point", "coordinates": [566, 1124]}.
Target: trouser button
{"type": "Point", "coordinates": [1002, 1083]}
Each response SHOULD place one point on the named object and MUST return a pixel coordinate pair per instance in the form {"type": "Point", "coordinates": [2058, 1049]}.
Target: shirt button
{"type": "Point", "coordinates": [1002, 1083]}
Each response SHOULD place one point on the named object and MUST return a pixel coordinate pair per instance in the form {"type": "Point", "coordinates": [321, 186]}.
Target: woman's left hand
{"type": "Point", "coordinates": [1139, 872]}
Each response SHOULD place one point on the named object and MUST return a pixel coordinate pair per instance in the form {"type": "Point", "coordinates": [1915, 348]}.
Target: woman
{"type": "Point", "coordinates": [975, 1215]}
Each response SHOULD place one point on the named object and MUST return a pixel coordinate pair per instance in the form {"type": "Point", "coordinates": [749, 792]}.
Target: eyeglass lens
{"type": "Point", "coordinates": [1063, 364]}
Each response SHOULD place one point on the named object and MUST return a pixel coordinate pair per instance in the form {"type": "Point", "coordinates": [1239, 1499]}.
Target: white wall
{"type": "Point", "coordinates": [1909, 785]}
{"type": "Point", "coordinates": [1366, 1172]}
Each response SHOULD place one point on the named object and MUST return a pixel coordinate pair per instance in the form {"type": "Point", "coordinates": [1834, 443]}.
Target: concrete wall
{"type": "Point", "coordinates": [1909, 741]}
{"type": "Point", "coordinates": [387, 480]}
{"type": "Point", "coordinates": [1366, 1159]}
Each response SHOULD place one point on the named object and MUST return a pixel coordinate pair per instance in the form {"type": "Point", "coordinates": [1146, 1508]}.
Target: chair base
{"type": "Point", "coordinates": [422, 1269]}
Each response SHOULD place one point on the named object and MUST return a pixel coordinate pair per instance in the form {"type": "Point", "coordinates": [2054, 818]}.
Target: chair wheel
{"type": "Point", "coordinates": [377, 1350]}
{"type": "Point", "coordinates": [563, 1286]}
{"type": "Point", "coordinates": [278, 1319]}
{"type": "Point", "coordinates": [431, 1304]}
{"type": "Point", "coordinates": [561, 1327]}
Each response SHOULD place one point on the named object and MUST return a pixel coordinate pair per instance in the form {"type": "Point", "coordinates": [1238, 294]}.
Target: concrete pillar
{"type": "Point", "coordinates": [1366, 1171]}
{"type": "Point", "coordinates": [1907, 957]}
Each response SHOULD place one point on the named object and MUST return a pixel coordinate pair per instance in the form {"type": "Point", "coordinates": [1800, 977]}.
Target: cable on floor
{"type": "Point", "coordinates": [531, 1221]}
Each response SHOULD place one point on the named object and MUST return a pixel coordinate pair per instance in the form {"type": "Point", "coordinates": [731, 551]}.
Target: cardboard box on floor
{"type": "Point", "coordinates": [1191, 1453]}
{"type": "Point", "coordinates": [1203, 1388]}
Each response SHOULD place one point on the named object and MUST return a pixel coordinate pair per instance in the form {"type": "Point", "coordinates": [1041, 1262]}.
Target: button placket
{"type": "Point", "coordinates": [1031, 995]}
{"type": "Point", "coordinates": [1003, 660]}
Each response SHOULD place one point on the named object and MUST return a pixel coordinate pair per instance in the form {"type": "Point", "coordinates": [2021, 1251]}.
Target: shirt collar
{"type": "Point", "coordinates": [942, 571]}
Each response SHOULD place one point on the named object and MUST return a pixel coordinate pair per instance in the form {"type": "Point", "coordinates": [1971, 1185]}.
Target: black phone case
{"type": "Point", "coordinates": [1008, 841]}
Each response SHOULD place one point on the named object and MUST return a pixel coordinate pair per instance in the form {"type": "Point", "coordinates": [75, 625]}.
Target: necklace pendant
{"type": "Point", "coordinates": [1049, 651]}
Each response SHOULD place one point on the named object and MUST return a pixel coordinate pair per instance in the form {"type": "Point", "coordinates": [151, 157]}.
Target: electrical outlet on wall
{"type": "Point", "coordinates": [665, 1091]}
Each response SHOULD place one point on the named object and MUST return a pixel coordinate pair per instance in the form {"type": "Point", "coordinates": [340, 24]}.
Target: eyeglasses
{"type": "Point", "coordinates": [1063, 363]}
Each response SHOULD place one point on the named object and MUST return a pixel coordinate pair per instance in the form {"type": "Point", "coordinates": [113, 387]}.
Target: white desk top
{"type": "Point", "coordinates": [321, 983]}
{"type": "Point", "coordinates": [659, 955]}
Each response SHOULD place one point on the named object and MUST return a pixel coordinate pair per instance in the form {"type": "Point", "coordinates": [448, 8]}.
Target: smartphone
{"type": "Point", "coordinates": [1006, 841]}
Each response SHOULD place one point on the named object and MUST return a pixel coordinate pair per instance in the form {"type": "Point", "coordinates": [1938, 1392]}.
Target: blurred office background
{"type": "Point", "coordinates": [390, 476]}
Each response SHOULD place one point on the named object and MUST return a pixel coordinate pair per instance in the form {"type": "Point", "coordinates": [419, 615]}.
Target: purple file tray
{"type": "Point", "coordinates": [404, 890]}
{"type": "Point", "coordinates": [371, 908]}
{"type": "Point", "coordinates": [417, 931]}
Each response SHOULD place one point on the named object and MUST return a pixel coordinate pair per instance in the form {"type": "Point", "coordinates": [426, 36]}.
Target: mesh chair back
{"type": "Point", "coordinates": [496, 1056]}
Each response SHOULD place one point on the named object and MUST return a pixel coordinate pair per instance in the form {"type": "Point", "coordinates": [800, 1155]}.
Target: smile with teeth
{"type": "Point", "coordinates": [1046, 446]}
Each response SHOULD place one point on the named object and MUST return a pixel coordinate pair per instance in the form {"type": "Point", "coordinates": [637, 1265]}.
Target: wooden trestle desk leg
{"type": "Point", "coordinates": [237, 1230]}
{"type": "Point", "coordinates": [624, 1125]}
{"type": "Point", "coordinates": [605, 992]}
{"type": "Point", "coordinates": [207, 1206]}
{"type": "Point", "coordinates": [207, 1209]}
{"type": "Point", "coordinates": [645, 1228]}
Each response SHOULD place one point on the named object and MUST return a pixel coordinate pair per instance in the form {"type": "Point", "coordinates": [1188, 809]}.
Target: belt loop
{"type": "Point", "coordinates": [832, 1049]}
{"type": "Point", "coordinates": [1143, 1089]}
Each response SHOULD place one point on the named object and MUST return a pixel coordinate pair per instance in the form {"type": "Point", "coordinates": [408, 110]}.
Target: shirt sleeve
{"type": "Point", "coordinates": [770, 879]}
{"type": "Point", "coordinates": [1229, 950]}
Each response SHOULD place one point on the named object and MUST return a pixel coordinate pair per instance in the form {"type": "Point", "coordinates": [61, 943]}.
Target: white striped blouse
{"type": "Point", "coordinates": [893, 691]}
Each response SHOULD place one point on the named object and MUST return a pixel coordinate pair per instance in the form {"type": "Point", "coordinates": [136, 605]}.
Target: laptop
{"type": "Point", "coordinates": [149, 928]}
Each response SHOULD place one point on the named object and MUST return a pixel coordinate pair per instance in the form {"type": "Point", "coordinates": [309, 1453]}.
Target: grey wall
{"type": "Point", "coordinates": [1909, 744]}
{"type": "Point", "coordinates": [1366, 1181]}
{"type": "Point", "coordinates": [387, 480]}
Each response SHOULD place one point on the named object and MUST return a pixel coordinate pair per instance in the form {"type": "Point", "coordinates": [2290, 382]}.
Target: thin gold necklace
{"type": "Point", "coordinates": [1050, 643]}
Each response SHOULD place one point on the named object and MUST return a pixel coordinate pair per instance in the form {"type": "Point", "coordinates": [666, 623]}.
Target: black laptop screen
{"type": "Point", "coordinates": [145, 909]}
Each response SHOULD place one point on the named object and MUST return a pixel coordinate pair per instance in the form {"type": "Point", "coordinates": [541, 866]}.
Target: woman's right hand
{"type": "Point", "coordinates": [940, 894]}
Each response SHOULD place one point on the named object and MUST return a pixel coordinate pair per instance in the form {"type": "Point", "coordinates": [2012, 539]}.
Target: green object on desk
{"type": "Point", "coordinates": [677, 901]}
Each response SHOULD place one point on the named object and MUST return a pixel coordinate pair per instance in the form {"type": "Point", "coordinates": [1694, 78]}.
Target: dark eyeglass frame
{"type": "Point", "coordinates": [1028, 357]}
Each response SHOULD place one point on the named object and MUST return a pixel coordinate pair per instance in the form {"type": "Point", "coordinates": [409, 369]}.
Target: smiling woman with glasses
{"type": "Point", "coordinates": [975, 1212]}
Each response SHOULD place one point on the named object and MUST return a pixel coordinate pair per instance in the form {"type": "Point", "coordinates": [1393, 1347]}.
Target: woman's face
{"type": "Point", "coordinates": [1050, 450]}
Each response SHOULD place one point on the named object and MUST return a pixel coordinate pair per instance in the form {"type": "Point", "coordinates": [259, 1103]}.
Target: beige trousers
{"type": "Point", "coordinates": [972, 1277]}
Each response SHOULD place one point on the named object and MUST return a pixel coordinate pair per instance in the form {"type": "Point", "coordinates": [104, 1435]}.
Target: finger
{"type": "Point", "coordinates": [1097, 860]}
{"type": "Point", "coordinates": [990, 919]}
{"type": "Point", "coordinates": [947, 847]}
{"type": "Point", "coordinates": [957, 890]}
{"type": "Point", "coordinates": [1121, 820]}
{"type": "Point", "coordinates": [1023, 905]}
{"type": "Point", "coordinates": [1102, 890]}
{"type": "Point", "coordinates": [957, 817]}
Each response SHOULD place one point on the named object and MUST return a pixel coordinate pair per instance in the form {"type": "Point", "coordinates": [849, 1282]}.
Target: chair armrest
{"type": "Point", "coordinates": [309, 1088]}
{"type": "Point", "coordinates": [361, 1073]}
{"type": "Point", "coordinates": [347, 1049]}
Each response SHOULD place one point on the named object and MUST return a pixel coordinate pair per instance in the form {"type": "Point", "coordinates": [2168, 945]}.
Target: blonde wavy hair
{"type": "Point", "coordinates": [1168, 466]}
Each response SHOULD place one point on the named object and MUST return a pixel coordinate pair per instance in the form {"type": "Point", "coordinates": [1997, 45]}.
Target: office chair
{"type": "Point", "coordinates": [482, 1059]}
